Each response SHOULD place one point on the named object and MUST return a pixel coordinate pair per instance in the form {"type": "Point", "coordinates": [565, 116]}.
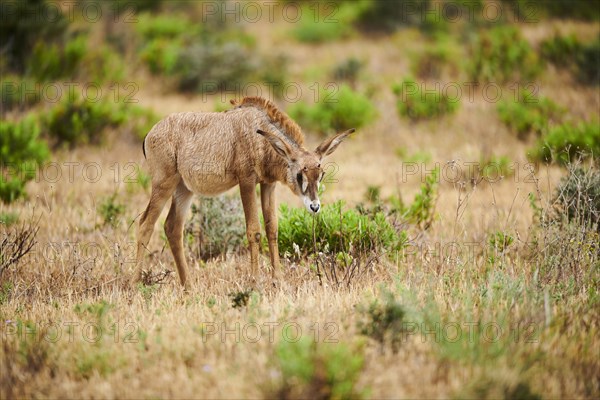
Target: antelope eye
{"type": "Point", "coordinates": [299, 178]}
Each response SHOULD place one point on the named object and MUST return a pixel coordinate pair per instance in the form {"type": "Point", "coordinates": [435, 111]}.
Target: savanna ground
{"type": "Point", "coordinates": [485, 299]}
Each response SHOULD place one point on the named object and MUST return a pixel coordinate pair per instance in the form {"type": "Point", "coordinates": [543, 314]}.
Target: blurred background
{"type": "Point", "coordinates": [425, 81]}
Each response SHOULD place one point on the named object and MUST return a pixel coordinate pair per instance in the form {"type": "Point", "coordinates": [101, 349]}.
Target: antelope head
{"type": "Point", "coordinates": [304, 168]}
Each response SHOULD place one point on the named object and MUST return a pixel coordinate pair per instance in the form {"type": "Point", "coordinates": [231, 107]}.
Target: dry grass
{"type": "Point", "coordinates": [86, 333]}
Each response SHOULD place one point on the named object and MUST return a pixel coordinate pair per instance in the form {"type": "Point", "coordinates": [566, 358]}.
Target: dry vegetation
{"type": "Point", "coordinates": [498, 298]}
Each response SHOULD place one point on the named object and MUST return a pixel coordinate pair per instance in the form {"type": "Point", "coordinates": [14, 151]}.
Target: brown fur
{"type": "Point", "coordinates": [209, 153]}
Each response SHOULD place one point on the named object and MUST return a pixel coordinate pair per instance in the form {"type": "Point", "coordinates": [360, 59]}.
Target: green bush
{"type": "Point", "coordinates": [203, 58]}
{"type": "Point", "coordinates": [383, 321]}
{"type": "Point", "coordinates": [561, 50]}
{"type": "Point", "coordinates": [209, 66]}
{"type": "Point", "coordinates": [348, 70]}
{"type": "Point", "coordinates": [21, 152]}
{"type": "Point", "coordinates": [318, 370]}
{"type": "Point", "coordinates": [217, 227]}
{"type": "Point", "coordinates": [529, 114]}
{"type": "Point", "coordinates": [437, 59]}
{"type": "Point", "coordinates": [567, 143]}
{"type": "Point", "coordinates": [418, 105]}
{"type": "Point", "coordinates": [53, 61]}
{"type": "Point", "coordinates": [336, 111]}
{"type": "Point", "coordinates": [324, 22]}
{"type": "Point", "coordinates": [77, 120]}
{"type": "Point", "coordinates": [580, 58]}
{"type": "Point", "coordinates": [336, 230]}
{"type": "Point", "coordinates": [501, 55]}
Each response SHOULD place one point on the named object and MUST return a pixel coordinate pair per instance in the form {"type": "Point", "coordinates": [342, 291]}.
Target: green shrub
{"type": "Point", "coordinates": [217, 227]}
{"type": "Point", "coordinates": [77, 120]}
{"type": "Point", "coordinates": [209, 66]}
{"type": "Point", "coordinates": [567, 143]}
{"type": "Point", "coordinates": [111, 210]}
{"type": "Point", "coordinates": [324, 22]}
{"type": "Point", "coordinates": [529, 114]}
{"type": "Point", "coordinates": [336, 230]}
{"type": "Point", "coordinates": [154, 26]}
{"type": "Point", "coordinates": [53, 61]}
{"type": "Point", "coordinates": [21, 152]}
{"type": "Point", "coordinates": [336, 111]}
{"type": "Point", "coordinates": [348, 70]}
{"type": "Point", "coordinates": [318, 370]}
{"type": "Point", "coordinates": [437, 59]}
{"type": "Point", "coordinates": [383, 321]}
{"type": "Point", "coordinates": [422, 210]}
{"type": "Point", "coordinates": [203, 57]}
{"type": "Point", "coordinates": [578, 197]}
{"type": "Point", "coordinates": [501, 55]}
{"type": "Point", "coordinates": [580, 58]}
{"type": "Point", "coordinates": [419, 105]}
{"type": "Point", "coordinates": [561, 50]}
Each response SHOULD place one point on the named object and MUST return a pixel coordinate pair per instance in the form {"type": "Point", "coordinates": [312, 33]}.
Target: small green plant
{"type": "Point", "coordinates": [336, 230]}
{"type": "Point", "coordinates": [496, 167]}
{"type": "Point", "coordinates": [111, 210]}
{"type": "Point", "coordinates": [383, 321]}
{"type": "Point", "coordinates": [498, 243]}
{"type": "Point", "coordinates": [529, 114]}
{"type": "Point", "coordinates": [348, 70]}
{"type": "Point", "coordinates": [502, 55]}
{"type": "Point", "coordinates": [318, 371]}
{"type": "Point", "coordinates": [416, 157]}
{"type": "Point", "coordinates": [142, 179]}
{"type": "Point", "coordinates": [417, 105]}
{"type": "Point", "coordinates": [338, 108]}
{"type": "Point", "coordinates": [240, 298]}
{"type": "Point", "coordinates": [567, 143]}
{"type": "Point", "coordinates": [21, 151]}
{"type": "Point", "coordinates": [8, 218]}
{"type": "Point", "coordinates": [422, 210]}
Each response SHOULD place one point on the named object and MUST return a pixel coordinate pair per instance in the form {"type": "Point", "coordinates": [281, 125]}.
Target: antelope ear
{"type": "Point", "coordinates": [330, 144]}
{"type": "Point", "coordinates": [279, 145]}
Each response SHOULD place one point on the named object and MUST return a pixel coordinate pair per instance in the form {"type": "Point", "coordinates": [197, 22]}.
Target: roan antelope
{"type": "Point", "coordinates": [209, 153]}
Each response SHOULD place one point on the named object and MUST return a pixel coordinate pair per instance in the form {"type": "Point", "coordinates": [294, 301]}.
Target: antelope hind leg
{"type": "Point", "coordinates": [174, 229]}
{"type": "Point", "coordinates": [161, 191]}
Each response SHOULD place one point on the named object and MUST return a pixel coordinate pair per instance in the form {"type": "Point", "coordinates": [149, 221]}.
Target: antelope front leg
{"type": "Point", "coordinates": [247, 191]}
{"type": "Point", "coordinates": [269, 209]}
